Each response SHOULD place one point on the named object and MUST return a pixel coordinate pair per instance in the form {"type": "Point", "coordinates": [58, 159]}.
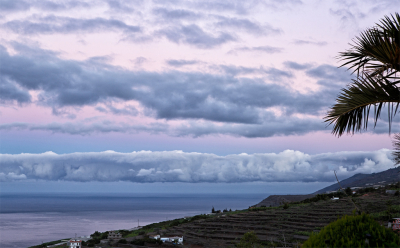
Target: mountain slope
{"type": "Point", "coordinates": [366, 180]}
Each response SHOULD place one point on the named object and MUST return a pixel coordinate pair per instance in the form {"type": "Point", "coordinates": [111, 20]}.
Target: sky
{"type": "Point", "coordinates": [185, 96]}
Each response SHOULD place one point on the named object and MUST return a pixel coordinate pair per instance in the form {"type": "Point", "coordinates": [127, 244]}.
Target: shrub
{"type": "Point", "coordinates": [397, 193]}
{"type": "Point", "coordinates": [353, 231]}
{"type": "Point", "coordinates": [348, 191]}
{"type": "Point", "coordinates": [122, 241]}
{"type": "Point", "coordinates": [199, 217]}
{"type": "Point", "coordinates": [285, 206]}
{"type": "Point", "coordinates": [249, 240]}
{"type": "Point", "coordinates": [146, 240]}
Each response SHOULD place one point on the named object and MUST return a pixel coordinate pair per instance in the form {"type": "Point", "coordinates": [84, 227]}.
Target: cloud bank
{"type": "Point", "coordinates": [178, 166]}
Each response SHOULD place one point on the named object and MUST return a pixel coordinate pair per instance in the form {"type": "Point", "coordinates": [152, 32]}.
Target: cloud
{"type": "Point", "coordinates": [119, 6]}
{"type": "Point", "coordinates": [13, 5]}
{"type": "Point", "coordinates": [195, 36]}
{"type": "Point", "coordinates": [308, 42]}
{"type": "Point", "coordinates": [126, 110]}
{"type": "Point", "coordinates": [175, 14]}
{"type": "Point", "coordinates": [246, 25]}
{"type": "Point", "coordinates": [56, 24]}
{"type": "Point", "coordinates": [181, 62]}
{"type": "Point", "coordinates": [228, 96]}
{"type": "Point", "coordinates": [22, 5]}
{"type": "Point", "coordinates": [297, 66]}
{"type": "Point", "coordinates": [178, 166]}
{"type": "Point", "coordinates": [265, 49]}
{"type": "Point", "coordinates": [81, 128]}
{"type": "Point", "coordinates": [11, 92]}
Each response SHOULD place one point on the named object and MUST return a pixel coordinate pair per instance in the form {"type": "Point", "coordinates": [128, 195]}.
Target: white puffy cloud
{"type": "Point", "coordinates": [178, 166]}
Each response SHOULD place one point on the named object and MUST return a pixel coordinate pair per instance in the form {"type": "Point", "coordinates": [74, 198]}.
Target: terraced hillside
{"type": "Point", "coordinates": [274, 226]}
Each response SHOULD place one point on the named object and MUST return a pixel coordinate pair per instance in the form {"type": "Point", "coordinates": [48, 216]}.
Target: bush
{"type": "Point", "coordinates": [143, 241]}
{"type": "Point", "coordinates": [122, 241]}
{"type": "Point", "coordinates": [353, 231]}
{"type": "Point", "coordinates": [199, 217]}
{"type": "Point", "coordinates": [285, 206]}
{"type": "Point", "coordinates": [249, 240]}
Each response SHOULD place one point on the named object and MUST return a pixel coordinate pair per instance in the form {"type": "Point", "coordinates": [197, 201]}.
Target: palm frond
{"type": "Point", "coordinates": [350, 113]}
{"type": "Point", "coordinates": [377, 50]}
{"type": "Point", "coordinates": [396, 149]}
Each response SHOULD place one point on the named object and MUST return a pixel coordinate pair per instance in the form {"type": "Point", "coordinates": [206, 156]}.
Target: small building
{"type": "Point", "coordinates": [396, 224]}
{"type": "Point", "coordinates": [114, 235]}
{"type": "Point", "coordinates": [174, 239]}
{"type": "Point", "coordinates": [334, 198]}
{"type": "Point", "coordinates": [75, 243]}
{"type": "Point", "coordinates": [154, 236]}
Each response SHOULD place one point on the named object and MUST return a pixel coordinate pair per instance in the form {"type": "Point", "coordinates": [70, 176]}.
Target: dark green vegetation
{"type": "Point", "coordinates": [280, 226]}
{"type": "Point", "coordinates": [47, 244]}
{"type": "Point", "coordinates": [96, 237]}
{"type": "Point", "coordinates": [145, 240]}
{"type": "Point", "coordinates": [354, 231]}
{"type": "Point", "coordinates": [288, 225]}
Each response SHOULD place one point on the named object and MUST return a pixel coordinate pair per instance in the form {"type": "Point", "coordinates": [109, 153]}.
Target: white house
{"type": "Point", "coordinates": [175, 239]}
{"type": "Point", "coordinates": [154, 236]}
{"type": "Point", "coordinates": [75, 243]}
{"type": "Point", "coordinates": [114, 235]}
{"type": "Point", "coordinates": [334, 198]}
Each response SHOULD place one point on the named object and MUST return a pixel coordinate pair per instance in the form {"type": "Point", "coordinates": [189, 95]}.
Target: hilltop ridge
{"type": "Point", "coordinates": [366, 180]}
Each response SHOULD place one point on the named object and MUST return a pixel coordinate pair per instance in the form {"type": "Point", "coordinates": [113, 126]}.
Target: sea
{"type": "Point", "coordinates": [31, 219]}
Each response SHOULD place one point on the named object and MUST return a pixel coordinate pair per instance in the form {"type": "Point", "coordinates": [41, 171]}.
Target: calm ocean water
{"type": "Point", "coordinates": [30, 219]}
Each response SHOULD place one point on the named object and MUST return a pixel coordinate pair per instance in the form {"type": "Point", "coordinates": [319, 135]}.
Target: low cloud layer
{"type": "Point", "coordinates": [178, 166]}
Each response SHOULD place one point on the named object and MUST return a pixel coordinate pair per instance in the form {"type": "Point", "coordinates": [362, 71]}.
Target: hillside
{"type": "Point", "coordinates": [277, 200]}
{"type": "Point", "coordinates": [276, 226]}
{"type": "Point", "coordinates": [366, 180]}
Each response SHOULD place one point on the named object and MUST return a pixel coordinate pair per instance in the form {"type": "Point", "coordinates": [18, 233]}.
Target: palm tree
{"type": "Point", "coordinates": [374, 57]}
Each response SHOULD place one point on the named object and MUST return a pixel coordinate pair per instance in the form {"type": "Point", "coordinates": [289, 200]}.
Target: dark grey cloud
{"type": "Point", "coordinates": [126, 110]}
{"type": "Point", "coordinates": [178, 166]}
{"type": "Point", "coordinates": [297, 66]}
{"type": "Point", "coordinates": [223, 97]}
{"type": "Point", "coordinates": [56, 24]}
{"type": "Point", "coordinates": [119, 6]}
{"type": "Point", "coordinates": [309, 42]}
{"type": "Point", "coordinates": [60, 5]}
{"type": "Point", "coordinates": [241, 24]}
{"type": "Point", "coordinates": [175, 14]}
{"type": "Point", "coordinates": [87, 128]}
{"type": "Point", "coordinates": [13, 5]}
{"type": "Point", "coordinates": [272, 73]}
{"type": "Point", "coordinates": [329, 75]}
{"type": "Point", "coordinates": [195, 36]}
{"type": "Point", "coordinates": [22, 5]}
{"type": "Point", "coordinates": [10, 92]}
{"type": "Point", "coordinates": [181, 62]}
{"type": "Point", "coordinates": [264, 49]}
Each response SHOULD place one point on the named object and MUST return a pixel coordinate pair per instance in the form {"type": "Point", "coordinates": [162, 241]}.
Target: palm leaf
{"type": "Point", "coordinates": [351, 112]}
{"type": "Point", "coordinates": [396, 151]}
{"type": "Point", "coordinates": [377, 50]}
